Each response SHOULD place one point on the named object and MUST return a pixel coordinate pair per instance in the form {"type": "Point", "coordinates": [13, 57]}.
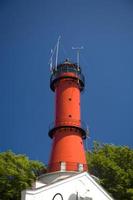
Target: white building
{"type": "Point", "coordinates": [66, 186]}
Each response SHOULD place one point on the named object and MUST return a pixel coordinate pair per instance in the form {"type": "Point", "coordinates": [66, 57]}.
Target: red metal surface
{"type": "Point", "coordinates": [67, 143]}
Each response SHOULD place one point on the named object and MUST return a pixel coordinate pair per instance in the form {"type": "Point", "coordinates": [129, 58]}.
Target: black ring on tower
{"type": "Point", "coordinates": [79, 129]}
{"type": "Point", "coordinates": [66, 67]}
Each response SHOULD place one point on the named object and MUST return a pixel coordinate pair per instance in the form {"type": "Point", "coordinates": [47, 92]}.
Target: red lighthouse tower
{"type": "Point", "coordinates": [67, 133]}
{"type": "Point", "coordinates": [65, 180]}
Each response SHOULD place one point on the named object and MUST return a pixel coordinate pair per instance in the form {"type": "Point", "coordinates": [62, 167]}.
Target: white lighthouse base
{"type": "Point", "coordinates": [66, 186]}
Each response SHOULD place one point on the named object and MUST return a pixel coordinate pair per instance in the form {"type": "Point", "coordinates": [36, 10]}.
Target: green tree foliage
{"type": "Point", "coordinates": [113, 165]}
{"type": "Point", "coordinates": [17, 172]}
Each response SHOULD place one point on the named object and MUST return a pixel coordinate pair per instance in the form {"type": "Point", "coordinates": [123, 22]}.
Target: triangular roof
{"type": "Point", "coordinates": [67, 186]}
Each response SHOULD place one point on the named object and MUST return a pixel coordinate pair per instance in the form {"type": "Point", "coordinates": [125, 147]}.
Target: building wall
{"type": "Point", "coordinates": [77, 188]}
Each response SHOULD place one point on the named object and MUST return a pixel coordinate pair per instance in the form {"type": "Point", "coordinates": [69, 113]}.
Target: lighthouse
{"type": "Point", "coordinates": [67, 132]}
{"type": "Point", "coordinates": [67, 176]}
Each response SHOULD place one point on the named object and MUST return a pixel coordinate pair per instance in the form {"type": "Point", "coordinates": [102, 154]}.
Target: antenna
{"type": "Point", "coordinates": [87, 137]}
{"type": "Point", "coordinates": [78, 52]}
{"type": "Point", "coordinates": [51, 60]}
{"type": "Point", "coordinates": [52, 53]}
{"type": "Point", "coordinates": [57, 51]}
{"type": "Point", "coordinates": [87, 132]}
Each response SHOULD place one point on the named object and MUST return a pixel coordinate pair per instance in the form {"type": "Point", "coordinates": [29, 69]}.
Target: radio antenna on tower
{"type": "Point", "coordinates": [87, 137]}
{"type": "Point", "coordinates": [57, 51]}
{"type": "Point", "coordinates": [78, 52]}
{"type": "Point", "coordinates": [54, 53]}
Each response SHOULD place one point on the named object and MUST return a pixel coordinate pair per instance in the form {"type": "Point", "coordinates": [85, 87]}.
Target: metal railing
{"type": "Point", "coordinates": [66, 122]}
{"type": "Point", "coordinates": [66, 67]}
{"type": "Point", "coordinates": [67, 166]}
{"type": "Point", "coordinates": [56, 75]}
{"type": "Point", "coordinates": [62, 72]}
{"type": "Point", "coordinates": [71, 124]}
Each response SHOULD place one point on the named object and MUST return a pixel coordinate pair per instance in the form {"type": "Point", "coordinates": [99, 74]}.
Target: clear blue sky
{"type": "Point", "coordinates": [28, 30]}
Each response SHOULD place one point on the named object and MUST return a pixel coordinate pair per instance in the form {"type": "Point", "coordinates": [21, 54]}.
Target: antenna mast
{"type": "Point", "coordinates": [87, 136]}
{"type": "Point", "coordinates": [57, 51]}
{"type": "Point", "coordinates": [78, 52]}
